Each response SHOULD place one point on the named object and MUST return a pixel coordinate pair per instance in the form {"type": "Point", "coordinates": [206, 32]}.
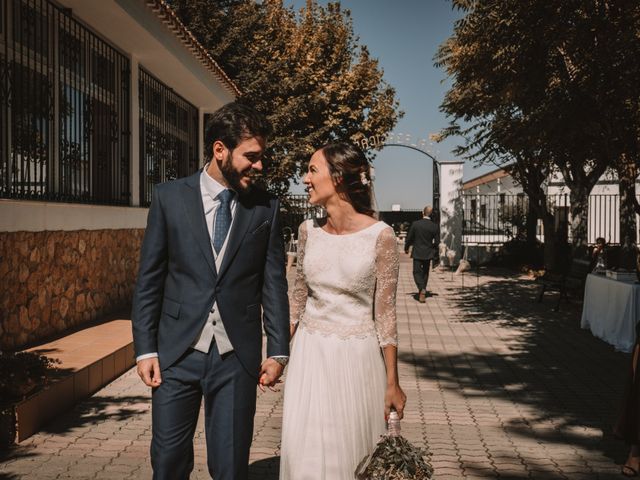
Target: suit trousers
{"type": "Point", "coordinates": [421, 273]}
{"type": "Point", "coordinates": [229, 394]}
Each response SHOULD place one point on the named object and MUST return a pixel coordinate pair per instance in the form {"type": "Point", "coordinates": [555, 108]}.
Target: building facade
{"type": "Point", "coordinates": [493, 199]}
{"type": "Point", "coordinates": [99, 101]}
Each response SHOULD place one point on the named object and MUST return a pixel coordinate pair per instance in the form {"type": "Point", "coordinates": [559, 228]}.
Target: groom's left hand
{"type": "Point", "coordinates": [270, 374]}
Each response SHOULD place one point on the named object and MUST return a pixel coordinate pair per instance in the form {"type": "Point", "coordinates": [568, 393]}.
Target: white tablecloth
{"type": "Point", "coordinates": [611, 310]}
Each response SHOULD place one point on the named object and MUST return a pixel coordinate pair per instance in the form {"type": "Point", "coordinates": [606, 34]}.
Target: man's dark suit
{"type": "Point", "coordinates": [176, 288]}
{"type": "Point", "coordinates": [424, 236]}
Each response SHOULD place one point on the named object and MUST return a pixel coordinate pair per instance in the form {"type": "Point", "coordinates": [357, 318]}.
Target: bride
{"type": "Point", "coordinates": [342, 380]}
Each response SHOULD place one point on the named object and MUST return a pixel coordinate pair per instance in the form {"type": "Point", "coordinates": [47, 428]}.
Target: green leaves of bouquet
{"type": "Point", "coordinates": [394, 458]}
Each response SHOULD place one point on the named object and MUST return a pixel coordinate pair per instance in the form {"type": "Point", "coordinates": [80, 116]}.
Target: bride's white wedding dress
{"type": "Point", "coordinates": [344, 304]}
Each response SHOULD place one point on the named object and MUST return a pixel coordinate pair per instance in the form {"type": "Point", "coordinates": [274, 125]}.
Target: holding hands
{"type": "Point", "coordinates": [270, 374]}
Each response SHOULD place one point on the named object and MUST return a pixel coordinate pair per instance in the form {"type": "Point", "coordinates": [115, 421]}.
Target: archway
{"type": "Point", "coordinates": [404, 141]}
{"type": "Point", "coordinates": [436, 175]}
{"type": "Point", "coordinates": [447, 185]}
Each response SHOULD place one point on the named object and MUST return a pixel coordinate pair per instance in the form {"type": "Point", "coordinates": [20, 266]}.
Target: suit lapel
{"type": "Point", "coordinates": [194, 212]}
{"type": "Point", "coordinates": [239, 227]}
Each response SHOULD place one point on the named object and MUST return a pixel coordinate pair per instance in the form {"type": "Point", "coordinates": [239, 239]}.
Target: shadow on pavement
{"type": "Point", "coordinates": [572, 380]}
{"type": "Point", "coordinates": [98, 409]}
{"type": "Point", "coordinates": [14, 452]}
{"type": "Point", "coordinates": [8, 476]}
{"type": "Point", "coordinates": [265, 469]}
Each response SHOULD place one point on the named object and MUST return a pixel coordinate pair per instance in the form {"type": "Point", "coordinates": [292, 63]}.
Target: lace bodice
{"type": "Point", "coordinates": [346, 284]}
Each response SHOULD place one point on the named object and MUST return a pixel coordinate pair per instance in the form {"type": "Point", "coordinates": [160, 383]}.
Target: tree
{"type": "Point", "coordinates": [617, 54]}
{"type": "Point", "coordinates": [600, 59]}
{"type": "Point", "coordinates": [306, 71]}
{"type": "Point", "coordinates": [535, 81]}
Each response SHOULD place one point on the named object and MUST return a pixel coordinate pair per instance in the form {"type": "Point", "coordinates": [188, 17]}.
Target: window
{"type": "Point", "coordinates": [168, 135]}
{"type": "Point", "coordinates": [65, 129]}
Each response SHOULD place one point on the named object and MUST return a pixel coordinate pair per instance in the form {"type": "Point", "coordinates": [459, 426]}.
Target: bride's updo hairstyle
{"type": "Point", "coordinates": [352, 174]}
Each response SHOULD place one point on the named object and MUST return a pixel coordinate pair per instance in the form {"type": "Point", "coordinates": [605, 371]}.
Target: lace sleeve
{"type": "Point", "coordinates": [387, 266]}
{"type": "Point", "coordinates": [298, 295]}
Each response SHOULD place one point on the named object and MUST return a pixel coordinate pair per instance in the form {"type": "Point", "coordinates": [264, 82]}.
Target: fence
{"type": "Point", "coordinates": [400, 220]}
{"type": "Point", "coordinates": [168, 135]}
{"type": "Point", "coordinates": [296, 208]}
{"type": "Point", "coordinates": [64, 109]}
{"type": "Point", "coordinates": [498, 218]}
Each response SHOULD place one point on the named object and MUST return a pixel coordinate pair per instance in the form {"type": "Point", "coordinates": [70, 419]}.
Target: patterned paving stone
{"type": "Point", "coordinates": [499, 386]}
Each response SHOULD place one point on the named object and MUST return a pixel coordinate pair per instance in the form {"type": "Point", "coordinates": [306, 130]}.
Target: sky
{"type": "Point", "coordinates": [404, 36]}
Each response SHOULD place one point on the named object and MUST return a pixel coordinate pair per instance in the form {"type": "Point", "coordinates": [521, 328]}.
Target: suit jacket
{"type": "Point", "coordinates": [424, 236]}
{"type": "Point", "coordinates": [178, 281]}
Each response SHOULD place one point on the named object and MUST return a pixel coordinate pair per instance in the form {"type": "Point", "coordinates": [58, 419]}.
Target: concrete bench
{"type": "Point", "coordinates": [89, 359]}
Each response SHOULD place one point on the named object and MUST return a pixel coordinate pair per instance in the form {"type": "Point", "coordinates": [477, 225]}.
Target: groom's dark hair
{"type": "Point", "coordinates": [233, 123]}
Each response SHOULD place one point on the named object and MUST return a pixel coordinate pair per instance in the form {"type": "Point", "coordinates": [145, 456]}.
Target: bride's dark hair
{"type": "Point", "coordinates": [352, 173]}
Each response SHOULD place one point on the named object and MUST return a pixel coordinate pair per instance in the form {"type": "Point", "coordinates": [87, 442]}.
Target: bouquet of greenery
{"type": "Point", "coordinates": [394, 458]}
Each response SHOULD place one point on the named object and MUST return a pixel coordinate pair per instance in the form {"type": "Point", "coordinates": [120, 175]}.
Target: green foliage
{"type": "Point", "coordinates": [394, 458]}
{"type": "Point", "coordinates": [22, 373]}
{"type": "Point", "coordinates": [546, 86]}
{"type": "Point", "coordinates": [305, 70]}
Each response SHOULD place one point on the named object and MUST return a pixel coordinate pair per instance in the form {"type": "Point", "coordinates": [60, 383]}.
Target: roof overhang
{"type": "Point", "coordinates": [149, 31]}
{"type": "Point", "coordinates": [485, 178]}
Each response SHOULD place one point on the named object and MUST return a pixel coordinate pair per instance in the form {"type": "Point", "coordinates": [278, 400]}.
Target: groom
{"type": "Point", "coordinates": [211, 268]}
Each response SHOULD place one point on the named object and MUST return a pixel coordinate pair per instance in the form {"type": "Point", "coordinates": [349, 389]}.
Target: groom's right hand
{"type": "Point", "coordinates": [149, 371]}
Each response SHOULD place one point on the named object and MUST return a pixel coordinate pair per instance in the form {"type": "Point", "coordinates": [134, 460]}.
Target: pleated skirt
{"type": "Point", "coordinates": [333, 406]}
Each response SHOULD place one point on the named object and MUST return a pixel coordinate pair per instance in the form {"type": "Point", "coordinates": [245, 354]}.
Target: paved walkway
{"type": "Point", "coordinates": [498, 386]}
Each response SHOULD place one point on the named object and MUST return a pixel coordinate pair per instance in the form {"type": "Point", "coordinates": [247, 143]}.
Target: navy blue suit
{"type": "Point", "coordinates": [424, 236]}
{"type": "Point", "coordinates": [177, 285]}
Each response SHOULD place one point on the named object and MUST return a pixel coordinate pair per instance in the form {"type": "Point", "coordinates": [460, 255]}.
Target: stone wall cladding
{"type": "Point", "coordinates": [53, 281]}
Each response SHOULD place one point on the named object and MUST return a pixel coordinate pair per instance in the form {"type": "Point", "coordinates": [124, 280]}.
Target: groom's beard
{"type": "Point", "coordinates": [233, 177]}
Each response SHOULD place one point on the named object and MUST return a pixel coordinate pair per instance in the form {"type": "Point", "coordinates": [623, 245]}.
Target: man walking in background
{"type": "Point", "coordinates": [424, 237]}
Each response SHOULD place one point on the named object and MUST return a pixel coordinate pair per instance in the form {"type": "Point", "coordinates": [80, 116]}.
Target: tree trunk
{"type": "Point", "coordinates": [627, 174]}
{"type": "Point", "coordinates": [580, 182]}
{"type": "Point", "coordinates": [579, 200]}
{"type": "Point", "coordinates": [532, 223]}
{"type": "Point", "coordinates": [551, 245]}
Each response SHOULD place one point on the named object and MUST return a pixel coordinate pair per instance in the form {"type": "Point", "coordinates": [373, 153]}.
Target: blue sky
{"type": "Point", "coordinates": [404, 35]}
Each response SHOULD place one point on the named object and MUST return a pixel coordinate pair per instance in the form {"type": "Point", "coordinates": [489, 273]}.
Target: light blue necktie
{"type": "Point", "coordinates": [223, 220]}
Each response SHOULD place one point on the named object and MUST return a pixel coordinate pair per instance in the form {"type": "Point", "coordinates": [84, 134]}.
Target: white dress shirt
{"type": "Point", "coordinates": [214, 328]}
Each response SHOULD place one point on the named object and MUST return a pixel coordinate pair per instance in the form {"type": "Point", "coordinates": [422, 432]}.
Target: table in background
{"type": "Point", "coordinates": [611, 310]}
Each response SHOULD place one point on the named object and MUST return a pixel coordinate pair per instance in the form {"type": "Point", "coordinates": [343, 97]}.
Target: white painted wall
{"type": "Point", "coordinates": [504, 185]}
{"type": "Point", "coordinates": [20, 216]}
{"type": "Point", "coordinates": [451, 213]}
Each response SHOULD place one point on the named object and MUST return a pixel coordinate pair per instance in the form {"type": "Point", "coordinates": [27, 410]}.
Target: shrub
{"type": "Point", "coordinates": [21, 374]}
